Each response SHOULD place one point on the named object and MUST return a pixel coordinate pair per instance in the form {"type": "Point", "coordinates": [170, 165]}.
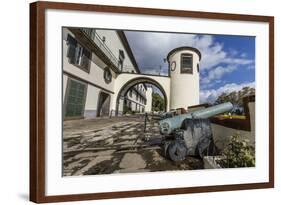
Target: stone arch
{"type": "Point", "coordinates": [137, 80]}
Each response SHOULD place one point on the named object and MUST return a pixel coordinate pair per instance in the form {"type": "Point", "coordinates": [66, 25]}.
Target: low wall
{"type": "Point", "coordinates": [222, 135]}
{"type": "Point", "coordinates": [223, 128]}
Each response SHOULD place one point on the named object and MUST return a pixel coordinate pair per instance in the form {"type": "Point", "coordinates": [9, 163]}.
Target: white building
{"type": "Point", "coordinates": [148, 107]}
{"type": "Point", "coordinates": [101, 76]}
{"type": "Point", "coordinates": [92, 60]}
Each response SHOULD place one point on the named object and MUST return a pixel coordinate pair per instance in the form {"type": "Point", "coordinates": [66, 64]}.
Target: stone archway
{"type": "Point", "coordinates": [137, 80]}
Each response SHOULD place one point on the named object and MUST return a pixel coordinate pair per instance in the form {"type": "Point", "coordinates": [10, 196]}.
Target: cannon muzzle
{"type": "Point", "coordinates": [168, 125]}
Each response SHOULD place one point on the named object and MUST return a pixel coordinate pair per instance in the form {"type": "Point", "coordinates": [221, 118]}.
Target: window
{"type": "Point", "coordinates": [75, 98]}
{"type": "Point", "coordinates": [107, 75]}
{"type": "Point", "coordinates": [130, 92]}
{"type": "Point", "coordinates": [121, 60]}
{"type": "Point", "coordinates": [198, 69]}
{"type": "Point", "coordinates": [77, 54]}
{"type": "Point", "coordinates": [186, 63]}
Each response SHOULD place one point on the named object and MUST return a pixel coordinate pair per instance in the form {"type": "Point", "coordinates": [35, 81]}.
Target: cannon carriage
{"type": "Point", "coordinates": [190, 134]}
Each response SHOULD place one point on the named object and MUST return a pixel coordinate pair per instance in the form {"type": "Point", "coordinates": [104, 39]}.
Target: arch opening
{"type": "Point", "coordinates": [133, 82]}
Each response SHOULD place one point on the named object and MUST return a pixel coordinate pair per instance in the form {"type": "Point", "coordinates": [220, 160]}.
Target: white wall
{"type": "Point", "coordinates": [148, 106]}
{"type": "Point", "coordinates": [15, 112]}
{"type": "Point", "coordinates": [64, 86]}
{"type": "Point", "coordinates": [134, 95]}
{"type": "Point", "coordinates": [96, 68]}
{"type": "Point", "coordinates": [95, 76]}
{"type": "Point", "coordinates": [91, 99]}
{"type": "Point", "coordinates": [184, 86]}
{"type": "Point", "coordinates": [114, 44]}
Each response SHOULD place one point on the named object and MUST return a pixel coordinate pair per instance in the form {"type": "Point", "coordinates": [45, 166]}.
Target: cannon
{"type": "Point", "coordinates": [170, 124]}
{"type": "Point", "coordinates": [190, 134]}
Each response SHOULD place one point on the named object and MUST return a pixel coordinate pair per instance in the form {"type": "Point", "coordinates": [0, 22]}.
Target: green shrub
{"type": "Point", "coordinates": [238, 153]}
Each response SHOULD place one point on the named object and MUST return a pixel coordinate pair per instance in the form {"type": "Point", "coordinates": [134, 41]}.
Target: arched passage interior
{"type": "Point", "coordinates": [126, 87]}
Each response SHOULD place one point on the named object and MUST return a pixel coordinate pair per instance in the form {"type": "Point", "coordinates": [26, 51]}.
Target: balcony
{"type": "Point", "coordinates": [93, 36]}
{"type": "Point", "coordinates": [90, 38]}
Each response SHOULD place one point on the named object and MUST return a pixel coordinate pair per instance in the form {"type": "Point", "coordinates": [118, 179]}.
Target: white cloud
{"type": "Point", "coordinates": [237, 61]}
{"type": "Point", "coordinates": [212, 52]}
{"type": "Point", "coordinates": [151, 48]}
{"type": "Point", "coordinates": [233, 52]}
{"type": "Point", "coordinates": [217, 73]}
{"type": "Point", "coordinates": [212, 94]}
{"type": "Point", "coordinates": [251, 67]}
{"type": "Point", "coordinates": [243, 55]}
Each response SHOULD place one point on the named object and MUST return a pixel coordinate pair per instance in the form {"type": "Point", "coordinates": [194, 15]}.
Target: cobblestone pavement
{"type": "Point", "coordinates": [116, 145]}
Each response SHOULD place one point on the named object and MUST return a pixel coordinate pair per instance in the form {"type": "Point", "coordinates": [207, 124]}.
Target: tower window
{"type": "Point", "coordinates": [186, 63]}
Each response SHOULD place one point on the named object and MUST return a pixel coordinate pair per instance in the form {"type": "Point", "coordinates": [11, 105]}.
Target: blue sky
{"type": "Point", "coordinates": [227, 64]}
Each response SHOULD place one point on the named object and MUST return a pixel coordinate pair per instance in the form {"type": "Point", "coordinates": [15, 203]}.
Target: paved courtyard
{"type": "Point", "coordinates": [116, 145]}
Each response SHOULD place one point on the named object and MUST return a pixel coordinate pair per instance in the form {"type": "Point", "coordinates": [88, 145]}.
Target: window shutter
{"type": "Point", "coordinates": [86, 55]}
{"type": "Point", "coordinates": [75, 99]}
{"type": "Point", "coordinates": [121, 59]}
{"type": "Point", "coordinates": [72, 43]}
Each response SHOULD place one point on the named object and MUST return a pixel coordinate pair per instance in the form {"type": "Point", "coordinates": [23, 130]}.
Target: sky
{"type": "Point", "coordinates": [227, 63]}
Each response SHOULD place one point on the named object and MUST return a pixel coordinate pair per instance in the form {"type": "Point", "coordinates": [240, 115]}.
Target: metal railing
{"type": "Point", "coordinates": [97, 40]}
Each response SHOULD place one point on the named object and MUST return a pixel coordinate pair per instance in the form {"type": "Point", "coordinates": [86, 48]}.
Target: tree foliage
{"type": "Point", "coordinates": [158, 103]}
{"type": "Point", "coordinates": [236, 97]}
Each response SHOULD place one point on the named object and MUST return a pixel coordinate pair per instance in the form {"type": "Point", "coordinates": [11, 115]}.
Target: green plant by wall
{"type": "Point", "coordinates": [158, 103]}
{"type": "Point", "coordinates": [238, 153]}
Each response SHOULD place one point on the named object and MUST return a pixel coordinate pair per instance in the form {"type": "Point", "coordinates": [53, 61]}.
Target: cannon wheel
{"type": "Point", "coordinates": [177, 151]}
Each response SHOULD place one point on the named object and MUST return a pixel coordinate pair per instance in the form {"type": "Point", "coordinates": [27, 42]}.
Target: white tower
{"type": "Point", "coordinates": [184, 73]}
